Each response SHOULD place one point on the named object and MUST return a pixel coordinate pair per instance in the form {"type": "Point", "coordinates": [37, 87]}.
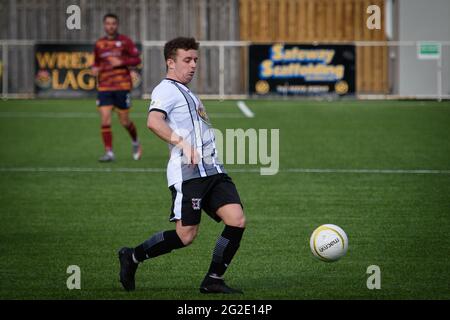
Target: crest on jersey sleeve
{"type": "Point", "coordinates": [155, 104]}
{"type": "Point", "coordinates": [202, 114]}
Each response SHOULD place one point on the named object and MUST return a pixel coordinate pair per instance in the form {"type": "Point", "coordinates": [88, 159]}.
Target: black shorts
{"type": "Point", "coordinates": [120, 99]}
{"type": "Point", "coordinates": [208, 193]}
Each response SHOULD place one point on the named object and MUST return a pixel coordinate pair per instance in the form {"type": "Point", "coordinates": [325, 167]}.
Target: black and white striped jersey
{"type": "Point", "coordinates": [186, 115]}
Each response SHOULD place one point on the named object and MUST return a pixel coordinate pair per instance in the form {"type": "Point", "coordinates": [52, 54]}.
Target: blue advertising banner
{"type": "Point", "coordinates": [291, 69]}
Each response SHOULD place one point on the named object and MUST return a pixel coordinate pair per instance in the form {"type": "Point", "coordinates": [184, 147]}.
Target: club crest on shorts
{"type": "Point", "coordinates": [196, 202]}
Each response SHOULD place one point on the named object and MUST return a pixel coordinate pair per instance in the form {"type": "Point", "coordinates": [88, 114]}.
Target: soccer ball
{"type": "Point", "coordinates": [329, 242]}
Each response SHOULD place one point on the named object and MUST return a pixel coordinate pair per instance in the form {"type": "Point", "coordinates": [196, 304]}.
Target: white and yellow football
{"type": "Point", "coordinates": [329, 242]}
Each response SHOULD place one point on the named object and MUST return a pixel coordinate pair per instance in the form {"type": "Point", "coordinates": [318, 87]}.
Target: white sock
{"type": "Point", "coordinates": [110, 153]}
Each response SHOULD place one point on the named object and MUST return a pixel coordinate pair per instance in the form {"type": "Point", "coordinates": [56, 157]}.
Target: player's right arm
{"type": "Point", "coordinates": [156, 122]}
{"type": "Point", "coordinates": [96, 66]}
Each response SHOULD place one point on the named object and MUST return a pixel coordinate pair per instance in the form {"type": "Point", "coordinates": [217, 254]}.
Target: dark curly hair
{"type": "Point", "coordinates": [170, 48]}
{"type": "Point", "coordinates": [110, 15]}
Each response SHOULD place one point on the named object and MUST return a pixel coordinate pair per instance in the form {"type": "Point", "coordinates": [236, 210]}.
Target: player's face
{"type": "Point", "coordinates": [184, 65]}
{"type": "Point", "coordinates": [111, 25]}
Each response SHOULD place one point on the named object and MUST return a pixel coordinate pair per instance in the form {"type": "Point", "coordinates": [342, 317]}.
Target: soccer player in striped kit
{"type": "Point", "coordinates": [196, 178]}
{"type": "Point", "coordinates": [114, 55]}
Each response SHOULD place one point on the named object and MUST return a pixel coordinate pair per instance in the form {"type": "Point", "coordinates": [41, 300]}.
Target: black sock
{"type": "Point", "coordinates": [158, 244]}
{"type": "Point", "coordinates": [226, 247]}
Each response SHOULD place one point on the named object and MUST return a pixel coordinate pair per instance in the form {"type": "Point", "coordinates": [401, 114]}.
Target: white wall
{"type": "Point", "coordinates": [422, 20]}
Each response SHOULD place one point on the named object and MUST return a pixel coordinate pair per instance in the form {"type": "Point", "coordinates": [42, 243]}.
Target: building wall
{"type": "Point", "coordinates": [140, 19]}
{"type": "Point", "coordinates": [422, 20]}
{"type": "Point", "coordinates": [45, 20]}
{"type": "Point", "coordinates": [255, 20]}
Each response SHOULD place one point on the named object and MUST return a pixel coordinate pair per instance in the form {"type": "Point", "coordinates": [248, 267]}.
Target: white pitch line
{"type": "Point", "coordinates": [83, 115]}
{"type": "Point", "coordinates": [381, 171]}
{"type": "Point", "coordinates": [80, 169]}
{"type": "Point", "coordinates": [245, 110]}
{"type": "Point", "coordinates": [47, 115]}
{"type": "Point", "coordinates": [242, 170]}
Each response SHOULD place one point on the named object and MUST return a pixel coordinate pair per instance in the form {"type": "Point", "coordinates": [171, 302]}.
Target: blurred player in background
{"type": "Point", "coordinates": [114, 54]}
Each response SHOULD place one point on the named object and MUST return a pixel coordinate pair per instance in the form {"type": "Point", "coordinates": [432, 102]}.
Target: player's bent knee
{"type": "Point", "coordinates": [241, 222]}
{"type": "Point", "coordinates": [232, 215]}
{"type": "Point", "coordinates": [236, 221]}
{"type": "Point", "coordinates": [124, 120]}
{"type": "Point", "coordinates": [187, 236]}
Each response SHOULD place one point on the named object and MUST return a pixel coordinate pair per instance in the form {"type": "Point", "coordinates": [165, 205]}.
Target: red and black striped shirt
{"type": "Point", "coordinates": [115, 78]}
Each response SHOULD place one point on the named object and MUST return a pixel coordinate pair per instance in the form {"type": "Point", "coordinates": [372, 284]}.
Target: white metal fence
{"type": "Point", "coordinates": [410, 77]}
{"type": "Point", "coordinates": [223, 70]}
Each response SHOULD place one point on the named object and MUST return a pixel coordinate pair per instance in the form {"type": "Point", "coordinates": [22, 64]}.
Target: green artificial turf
{"type": "Point", "coordinates": [59, 207]}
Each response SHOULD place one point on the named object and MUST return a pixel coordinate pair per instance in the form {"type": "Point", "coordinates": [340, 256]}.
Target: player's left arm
{"type": "Point", "coordinates": [131, 57]}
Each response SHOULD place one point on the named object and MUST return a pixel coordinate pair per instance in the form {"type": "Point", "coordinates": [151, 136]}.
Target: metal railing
{"type": "Point", "coordinates": [223, 71]}
{"type": "Point", "coordinates": [405, 67]}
